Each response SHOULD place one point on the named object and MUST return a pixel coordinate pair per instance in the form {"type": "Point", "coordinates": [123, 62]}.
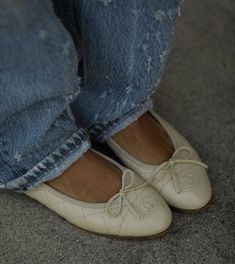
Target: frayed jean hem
{"type": "Point", "coordinates": [51, 166]}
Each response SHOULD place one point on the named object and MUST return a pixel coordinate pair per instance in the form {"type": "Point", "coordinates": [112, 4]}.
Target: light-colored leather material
{"type": "Point", "coordinates": [182, 180]}
{"type": "Point", "coordinates": [137, 210]}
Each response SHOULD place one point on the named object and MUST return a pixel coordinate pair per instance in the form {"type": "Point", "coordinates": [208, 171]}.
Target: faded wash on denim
{"type": "Point", "coordinates": [109, 75]}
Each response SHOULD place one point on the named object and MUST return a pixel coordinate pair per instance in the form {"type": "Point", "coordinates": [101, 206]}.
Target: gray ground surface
{"type": "Point", "coordinates": [197, 94]}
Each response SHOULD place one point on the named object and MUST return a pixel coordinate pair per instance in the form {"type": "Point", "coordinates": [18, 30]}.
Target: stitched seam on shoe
{"type": "Point", "coordinates": [103, 216]}
{"type": "Point", "coordinates": [123, 218]}
{"type": "Point", "coordinates": [65, 209]}
{"type": "Point", "coordinates": [92, 214]}
{"type": "Point", "coordinates": [151, 211]}
{"type": "Point", "coordinates": [88, 227]}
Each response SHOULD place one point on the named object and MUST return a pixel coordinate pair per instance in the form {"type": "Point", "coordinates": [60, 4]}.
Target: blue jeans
{"type": "Point", "coordinates": [102, 62]}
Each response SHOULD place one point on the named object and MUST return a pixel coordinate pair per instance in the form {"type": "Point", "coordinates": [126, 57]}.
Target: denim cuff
{"type": "Point", "coordinates": [101, 132]}
{"type": "Point", "coordinates": [53, 165]}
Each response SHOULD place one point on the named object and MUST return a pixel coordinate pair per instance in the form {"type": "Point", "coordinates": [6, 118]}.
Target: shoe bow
{"type": "Point", "coordinates": [120, 198]}
{"type": "Point", "coordinates": [170, 165]}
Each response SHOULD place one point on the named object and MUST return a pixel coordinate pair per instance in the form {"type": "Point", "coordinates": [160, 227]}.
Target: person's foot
{"type": "Point", "coordinates": [146, 140]}
{"type": "Point", "coordinates": [181, 179]}
{"type": "Point", "coordinates": [90, 179]}
{"type": "Point", "coordinates": [136, 210]}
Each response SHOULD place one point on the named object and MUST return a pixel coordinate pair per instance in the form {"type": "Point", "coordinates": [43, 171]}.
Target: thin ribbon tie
{"type": "Point", "coordinates": [121, 197]}
{"type": "Point", "coordinates": [170, 165]}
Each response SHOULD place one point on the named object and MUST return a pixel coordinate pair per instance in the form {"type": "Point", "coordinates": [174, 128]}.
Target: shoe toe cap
{"type": "Point", "coordinates": [194, 198]}
{"type": "Point", "coordinates": [156, 218]}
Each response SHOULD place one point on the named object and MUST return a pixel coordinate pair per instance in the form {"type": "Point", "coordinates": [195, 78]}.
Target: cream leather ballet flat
{"type": "Point", "coordinates": [136, 211]}
{"type": "Point", "coordinates": [182, 180]}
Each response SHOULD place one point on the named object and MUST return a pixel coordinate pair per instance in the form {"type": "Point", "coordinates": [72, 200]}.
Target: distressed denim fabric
{"type": "Point", "coordinates": [124, 45]}
{"type": "Point", "coordinates": [38, 79]}
{"type": "Point", "coordinates": [121, 49]}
